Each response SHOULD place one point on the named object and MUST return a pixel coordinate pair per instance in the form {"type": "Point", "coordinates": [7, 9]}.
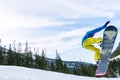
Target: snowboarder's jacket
{"type": "Point", "coordinates": [91, 33]}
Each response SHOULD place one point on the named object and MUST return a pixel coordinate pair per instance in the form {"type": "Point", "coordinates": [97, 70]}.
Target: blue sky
{"type": "Point", "coordinates": [56, 24]}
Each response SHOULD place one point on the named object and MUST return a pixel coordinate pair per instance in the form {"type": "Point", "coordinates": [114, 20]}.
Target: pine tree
{"type": "Point", "coordinates": [14, 46]}
{"type": "Point", "coordinates": [17, 59]}
{"type": "Point", "coordinates": [28, 61]}
{"type": "Point", "coordinates": [1, 56]}
{"type": "Point", "coordinates": [26, 47]}
{"type": "Point", "coordinates": [10, 56]}
{"type": "Point", "coordinates": [115, 67]}
{"type": "Point", "coordinates": [116, 52]}
{"type": "Point", "coordinates": [59, 63]}
{"type": "Point", "coordinates": [5, 55]}
{"type": "Point", "coordinates": [65, 69]}
{"type": "Point", "coordinates": [36, 61]}
{"type": "Point", "coordinates": [43, 60]}
{"type": "Point", "coordinates": [40, 61]}
{"type": "Point", "coordinates": [52, 67]}
{"type": "Point", "coordinates": [19, 48]}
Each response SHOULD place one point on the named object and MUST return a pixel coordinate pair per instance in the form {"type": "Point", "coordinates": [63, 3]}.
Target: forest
{"type": "Point", "coordinates": [40, 61]}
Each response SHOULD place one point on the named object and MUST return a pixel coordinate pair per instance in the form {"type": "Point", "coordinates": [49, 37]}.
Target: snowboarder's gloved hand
{"type": "Point", "coordinates": [101, 43]}
{"type": "Point", "coordinates": [98, 40]}
{"type": "Point", "coordinates": [106, 23]}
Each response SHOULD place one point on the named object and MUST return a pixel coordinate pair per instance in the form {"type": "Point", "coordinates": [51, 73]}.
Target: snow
{"type": "Point", "coordinates": [22, 73]}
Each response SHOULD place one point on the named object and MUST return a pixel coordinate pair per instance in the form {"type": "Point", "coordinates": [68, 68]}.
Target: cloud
{"type": "Point", "coordinates": [79, 9]}
{"type": "Point", "coordinates": [57, 41]}
{"type": "Point", "coordinates": [35, 13]}
{"type": "Point", "coordinates": [12, 20]}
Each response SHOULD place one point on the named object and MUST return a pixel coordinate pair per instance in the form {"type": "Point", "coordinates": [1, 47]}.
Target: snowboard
{"type": "Point", "coordinates": [109, 37]}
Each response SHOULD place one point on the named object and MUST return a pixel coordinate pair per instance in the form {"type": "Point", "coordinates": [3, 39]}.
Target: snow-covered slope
{"type": "Point", "coordinates": [22, 73]}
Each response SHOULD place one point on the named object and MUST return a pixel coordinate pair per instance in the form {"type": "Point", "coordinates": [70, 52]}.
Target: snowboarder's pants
{"type": "Point", "coordinates": [88, 45]}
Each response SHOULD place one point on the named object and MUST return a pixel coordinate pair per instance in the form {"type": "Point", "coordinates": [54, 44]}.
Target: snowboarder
{"type": "Point", "coordinates": [88, 41]}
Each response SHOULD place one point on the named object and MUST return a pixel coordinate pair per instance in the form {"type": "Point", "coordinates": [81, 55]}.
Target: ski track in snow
{"type": "Point", "coordinates": [22, 73]}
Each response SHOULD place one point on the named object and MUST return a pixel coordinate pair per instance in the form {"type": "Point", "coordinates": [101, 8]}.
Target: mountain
{"type": "Point", "coordinates": [71, 64]}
